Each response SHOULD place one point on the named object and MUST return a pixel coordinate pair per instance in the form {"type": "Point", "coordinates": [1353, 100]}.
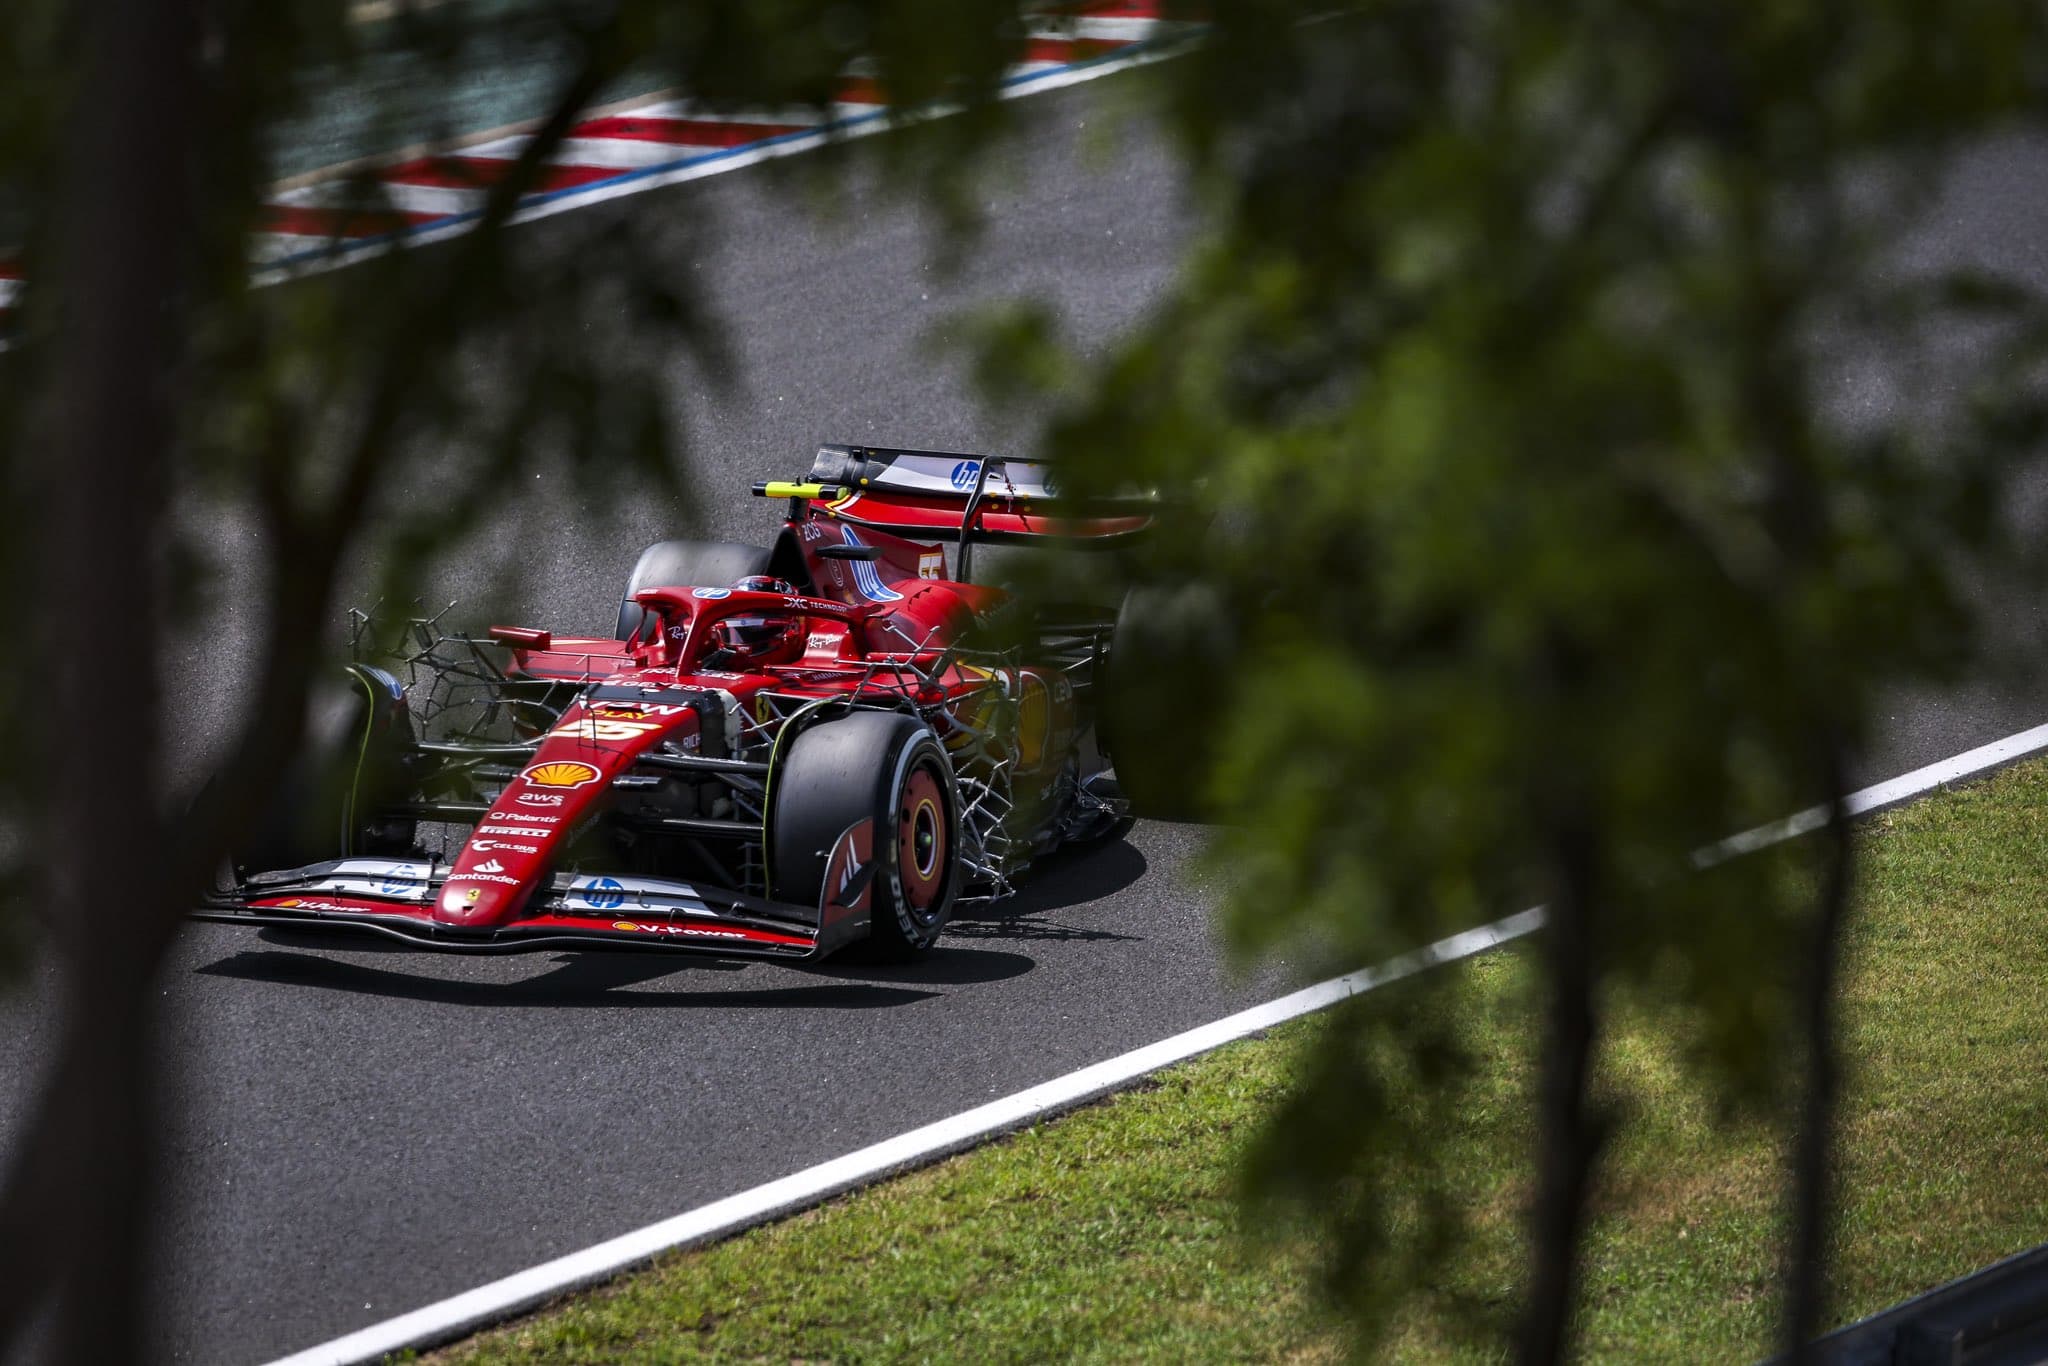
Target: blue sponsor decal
{"type": "Point", "coordinates": [601, 893]}
{"type": "Point", "coordinates": [395, 884]}
{"type": "Point", "coordinates": [965, 472]}
{"type": "Point", "coordinates": [867, 579]}
{"type": "Point", "coordinates": [711, 592]}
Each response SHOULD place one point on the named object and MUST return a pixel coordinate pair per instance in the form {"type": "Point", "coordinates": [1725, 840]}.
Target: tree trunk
{"type": "Point", "coordinates": [74, 1202]}
{"type": "Point", "coordinates": [1570, 1134]}
{"type": "Point", "coordinates": [1813, 1148]}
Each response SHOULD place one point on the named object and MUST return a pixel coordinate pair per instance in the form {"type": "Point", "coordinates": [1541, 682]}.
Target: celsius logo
{"type": "Point", "coordinates": [603, 894]}
{"type": "Point", "coordinates": [964, 473]}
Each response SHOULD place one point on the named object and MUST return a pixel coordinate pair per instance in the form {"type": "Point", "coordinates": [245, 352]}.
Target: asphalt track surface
{"type": "Point", "coordinates": [358, 1132]}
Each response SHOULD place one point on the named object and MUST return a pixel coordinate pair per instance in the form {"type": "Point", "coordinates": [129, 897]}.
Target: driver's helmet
{"type": "Point", "coordinates": [762, 639]}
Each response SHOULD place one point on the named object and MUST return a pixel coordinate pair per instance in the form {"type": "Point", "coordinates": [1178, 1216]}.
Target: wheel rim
{"type": "Point", "coordinates": [921, 841]}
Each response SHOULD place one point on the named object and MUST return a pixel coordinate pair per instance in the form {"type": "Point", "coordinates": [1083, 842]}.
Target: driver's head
{"type": "Point", "coordinates": [766, 639]}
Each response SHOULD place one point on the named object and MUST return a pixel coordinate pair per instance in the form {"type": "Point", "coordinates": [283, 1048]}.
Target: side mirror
{"type": "Point", "coordinates": [522, 637]}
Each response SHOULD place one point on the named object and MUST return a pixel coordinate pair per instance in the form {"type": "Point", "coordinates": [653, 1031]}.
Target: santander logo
{"type": "Point", "coordinates": [490, 866]}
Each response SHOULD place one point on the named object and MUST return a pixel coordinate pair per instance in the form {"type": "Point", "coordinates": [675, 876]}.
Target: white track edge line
{"type": "Point", "coordinates": [1893, 790]}
{"type": "Point", "coordinates": [452, 1317]}
{"type": "Point", "coordinates": [439, 1322]}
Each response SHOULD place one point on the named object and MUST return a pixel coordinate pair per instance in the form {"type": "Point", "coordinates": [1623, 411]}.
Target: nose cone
{"type": "Point", "coordinates": [509, 854]}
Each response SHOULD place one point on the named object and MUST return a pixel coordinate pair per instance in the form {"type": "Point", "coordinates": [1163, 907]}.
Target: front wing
{"type": "Point", "coordinates": [394, 899]}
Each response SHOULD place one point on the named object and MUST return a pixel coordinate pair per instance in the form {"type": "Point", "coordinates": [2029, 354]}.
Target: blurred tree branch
{"type": "Point", "coordinates": [1501, 422]}
{"type": "Point", "coordinates": [133, 168]}
{"type": "Point", "coordinates": [1498, 414]}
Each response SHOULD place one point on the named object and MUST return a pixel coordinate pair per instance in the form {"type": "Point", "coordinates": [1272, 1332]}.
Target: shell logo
{"type": "Point", "coordinates": [624, 925]}
{"type": "Point", "coordinates": [560, 773]}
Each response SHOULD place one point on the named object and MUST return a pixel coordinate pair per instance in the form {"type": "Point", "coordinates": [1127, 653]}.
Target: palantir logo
{"type": "Point", "coordinates": [603, 894]}
{"type": "Point", "coordinates": [964, 473]}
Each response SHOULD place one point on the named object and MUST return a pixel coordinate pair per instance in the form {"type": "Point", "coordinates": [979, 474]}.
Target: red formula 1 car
{"type": "Point", "coordinates": [782, 751]}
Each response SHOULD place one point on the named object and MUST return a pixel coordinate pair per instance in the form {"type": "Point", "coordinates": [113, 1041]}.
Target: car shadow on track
{"type": "Point", "coordinates": [1064, 880]}
{"type": "Point", "coordinates": [600, 980]}
{"type": "Point", "coordinates": [947, 965]}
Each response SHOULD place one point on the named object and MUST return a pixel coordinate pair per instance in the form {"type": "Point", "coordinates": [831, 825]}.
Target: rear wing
{"type": "Point", "coordinates": [951, 496]}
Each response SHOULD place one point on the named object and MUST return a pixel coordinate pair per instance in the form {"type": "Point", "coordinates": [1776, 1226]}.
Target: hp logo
{"type": "Point", "coordinates": [605, 894]}
{"type": "Point", "coordinates": [964, 473]}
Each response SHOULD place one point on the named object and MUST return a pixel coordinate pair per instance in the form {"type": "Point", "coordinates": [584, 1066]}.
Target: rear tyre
{"type": "Point", "coordinates": [887, 772]}
{"type": "Point", "coordinates": [334, 799]}
{"type": "Point", "coordinates": [686, 564]}
{"type": "Point", "coordinates": [1169, 651]}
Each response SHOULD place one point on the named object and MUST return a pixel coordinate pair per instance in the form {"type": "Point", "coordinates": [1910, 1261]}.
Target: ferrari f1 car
{"type": "Point", "coordinates": [782, 751]}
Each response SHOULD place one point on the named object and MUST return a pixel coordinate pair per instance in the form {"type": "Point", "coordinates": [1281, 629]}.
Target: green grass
{"type": "Point", "coordinates": [1113, 1235]}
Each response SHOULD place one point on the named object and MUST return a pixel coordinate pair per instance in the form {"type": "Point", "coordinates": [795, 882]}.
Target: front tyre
{"type": "Point", "coordinates": [334, 798]}
{"type": "Point", "coordinates": [878, 782]}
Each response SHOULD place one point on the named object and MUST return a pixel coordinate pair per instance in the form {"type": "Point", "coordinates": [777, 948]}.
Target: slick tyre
{"type": "Point", "coordinates": [685, 564]}
{"type": "Point", "coordinates": [887, 772]}
{"type": "Point", "coordinates": [334, 797]}
{"type": "Point", "coordinates": [1159, 694]}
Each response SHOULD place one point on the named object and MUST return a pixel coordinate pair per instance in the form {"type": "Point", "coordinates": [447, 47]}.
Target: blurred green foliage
{"type": "Point", "coordinates": [1497, 416]}
{"type": "Point", "coordinates": [1502, 422]}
